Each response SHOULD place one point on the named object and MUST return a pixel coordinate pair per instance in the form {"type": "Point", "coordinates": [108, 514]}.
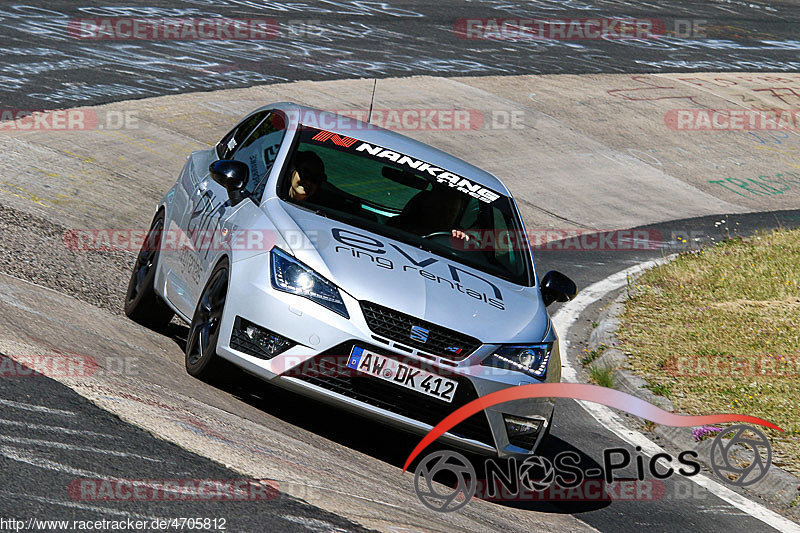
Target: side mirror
{"type": "Point", "coordinates": [233, 175]}
{"type": "Point", "coordinates": [556, 287]}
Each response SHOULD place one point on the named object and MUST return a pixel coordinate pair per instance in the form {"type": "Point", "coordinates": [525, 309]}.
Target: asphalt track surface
{"type": "Point", "coordinates": [46, 426]}
{"type": "Point", "coordinates": [358, 39]}
{"type": "Point", "coordinates": [43, 65]}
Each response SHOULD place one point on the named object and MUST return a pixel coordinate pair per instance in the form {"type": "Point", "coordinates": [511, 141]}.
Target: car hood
{"type": "Point", "coordinates": [371, 267]}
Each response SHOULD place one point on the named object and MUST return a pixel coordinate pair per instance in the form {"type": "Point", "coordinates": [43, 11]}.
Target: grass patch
{"type": "Point", "coordinates": [649, 426]}
{"type": "Point", "coordinates": [602, 375]}
{"type": "Point", "coordinates": [795, 501]}
{"type": "Point", "coordinates": [591, 355]}
{"type": "Point", "coordinates": [718, 331]}
{"type": "Point", "coordinates": [659, 389]}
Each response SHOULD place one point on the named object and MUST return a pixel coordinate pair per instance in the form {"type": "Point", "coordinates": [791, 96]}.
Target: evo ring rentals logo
{"type": "Point", "coordinates": [446, 481]}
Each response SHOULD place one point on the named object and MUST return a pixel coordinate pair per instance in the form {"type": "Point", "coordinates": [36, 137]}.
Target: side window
{"type": "Point", "coordinates": [504, 250]}
{"type": "Point", "coordinates": [259, 151]}
{"type": "Point", "coordinates": [469, 217]}
{"type": "Point", "coordinates": [228, 145]}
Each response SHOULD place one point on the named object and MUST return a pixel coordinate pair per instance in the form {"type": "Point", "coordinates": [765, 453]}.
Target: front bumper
{"type": "Point", "coordinates": [322, 336]}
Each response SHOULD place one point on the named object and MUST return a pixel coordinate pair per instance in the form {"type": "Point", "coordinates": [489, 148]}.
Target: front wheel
{"type": "Point", "coordinates": [202, 360]}
{"type": "Point", "coordinates": [142, 303]}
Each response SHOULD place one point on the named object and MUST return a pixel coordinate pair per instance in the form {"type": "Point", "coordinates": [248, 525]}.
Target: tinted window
{"type": "Point", "coordinates": [409, 200]}
{"type": "Point", "coordinates": [258, 151]}
{"type": "Point", "coordinates": [228, 145]}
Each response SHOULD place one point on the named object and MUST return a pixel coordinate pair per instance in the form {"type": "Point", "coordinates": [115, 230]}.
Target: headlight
{"type": "Point", "coordinates": [531, 359]}
{"type": "Point", "coordinates": [290, 275]}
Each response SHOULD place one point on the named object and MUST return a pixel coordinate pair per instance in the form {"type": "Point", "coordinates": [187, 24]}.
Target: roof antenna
{"type": "Point", "coordinates": [371, 100]}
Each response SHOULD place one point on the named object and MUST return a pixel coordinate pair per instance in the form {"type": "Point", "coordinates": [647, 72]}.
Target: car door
{"type": "Point", "coordinates": [211, 222]}
{"type": "Point", "coordinates": [247, 227]}
{"type": "Point", "coordinates": [200, 205]}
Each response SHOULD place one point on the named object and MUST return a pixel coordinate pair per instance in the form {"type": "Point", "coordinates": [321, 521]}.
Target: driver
{"type": "Point", "coordinates": [307, 174]}
{"type": "Point", "coordinates": [433, 211]}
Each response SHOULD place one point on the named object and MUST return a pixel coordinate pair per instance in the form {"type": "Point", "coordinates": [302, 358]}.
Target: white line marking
{"type": "Point", "coordinates": [565, 318]}
{"type": "Point", "coordinates": [36, 408]}
{"type": "Point", "coordinates": [74, 447]}
{"type": "Point", "coordinates": [55, 429]}
{"type": "Point", "coordinates": [40, 462]}
{"type": "Point", "coordinates": [75, 505]}
{"type": "Point", "coordinates": [312, 524]}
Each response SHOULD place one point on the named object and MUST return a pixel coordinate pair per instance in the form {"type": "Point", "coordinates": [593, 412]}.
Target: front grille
{"type": "Point", "coordinates": [337, 377]}
{"type": "Point", "coordinates": [442, 342]}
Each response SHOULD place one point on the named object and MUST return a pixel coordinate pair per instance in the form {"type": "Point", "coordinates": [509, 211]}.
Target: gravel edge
{"type": "Point", "coordinates": [36, 249]}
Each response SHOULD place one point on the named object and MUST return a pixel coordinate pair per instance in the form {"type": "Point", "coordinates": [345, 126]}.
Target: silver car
{"type": "Point", "coordinates": [359, 267]}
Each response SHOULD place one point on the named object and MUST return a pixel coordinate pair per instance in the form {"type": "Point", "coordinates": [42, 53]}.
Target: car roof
{"type": "Point", "coordinates": [388, 139]}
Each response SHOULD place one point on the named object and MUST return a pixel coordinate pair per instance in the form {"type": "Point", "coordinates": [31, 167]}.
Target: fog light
{"type": "Point", "coordinates": [257, 341]}
{"type": "Point", "coordinates": [522, 432]}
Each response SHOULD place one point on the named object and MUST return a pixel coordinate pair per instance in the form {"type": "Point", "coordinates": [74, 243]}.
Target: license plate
{"type": "Point", "coordinates": [401, 374]}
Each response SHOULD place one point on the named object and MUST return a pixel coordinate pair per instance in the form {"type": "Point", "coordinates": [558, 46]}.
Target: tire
{"type": "Point", "coordinates": [142, 303]}
{"type": "Point", "coordinates": [202, 360]}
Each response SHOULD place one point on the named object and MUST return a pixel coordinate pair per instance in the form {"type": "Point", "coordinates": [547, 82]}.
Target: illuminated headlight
{"type": "Point", "coordinates": [290, 275]}
{"type": "Point", "coordinates": [531, 359]}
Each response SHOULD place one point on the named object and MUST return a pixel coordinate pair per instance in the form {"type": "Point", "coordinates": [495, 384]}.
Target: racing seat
{"type": "Point", "coordinates": [430, 211]}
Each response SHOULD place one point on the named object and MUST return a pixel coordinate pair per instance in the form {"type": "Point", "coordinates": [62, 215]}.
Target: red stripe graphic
{"type": "Point", "coordinates": [578, 391]}
{"type": "Point", "coordinates": [322, 136]}
{"type": "Point", "coordinates": [347, 142]}
{"type": "Point", "coordinates": [344, 141]}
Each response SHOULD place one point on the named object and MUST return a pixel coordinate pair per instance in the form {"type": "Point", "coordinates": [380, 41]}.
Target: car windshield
{"type": "Point", "coordinates": [406, 199]}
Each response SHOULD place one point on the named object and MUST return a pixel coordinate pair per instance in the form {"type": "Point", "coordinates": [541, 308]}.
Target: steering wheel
{"type": "Point", "coordinates": [438, 234]}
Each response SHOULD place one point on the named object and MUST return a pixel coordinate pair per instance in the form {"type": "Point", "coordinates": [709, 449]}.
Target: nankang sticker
{"type": "Point", "coordinates": [426, 169]}
{"type": "Point", "coordinates": [439, 174]}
